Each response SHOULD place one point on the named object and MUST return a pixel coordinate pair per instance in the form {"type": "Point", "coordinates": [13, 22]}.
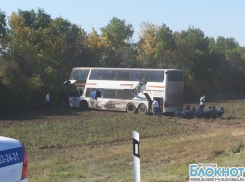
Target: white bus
{"type": "Point", "coordinates": [125, 89]}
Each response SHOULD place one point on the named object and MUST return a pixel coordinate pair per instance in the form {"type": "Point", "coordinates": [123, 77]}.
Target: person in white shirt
{"type": "Point", "coordinates": [155, 108]}
{"type": "Point", "coordinates": [203, 101]}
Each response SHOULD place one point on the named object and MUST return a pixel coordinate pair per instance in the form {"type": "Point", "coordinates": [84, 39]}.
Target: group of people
{"type": "Point", "coordinates": [210, 112]}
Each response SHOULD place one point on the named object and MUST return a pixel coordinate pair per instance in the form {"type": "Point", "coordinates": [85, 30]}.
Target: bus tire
{"type": "Point", "coordinates": [83, 105]}
{"type": "Point", "coordinates": [131, 108]}
{"type": "Point", "coordinates": [142, 109]}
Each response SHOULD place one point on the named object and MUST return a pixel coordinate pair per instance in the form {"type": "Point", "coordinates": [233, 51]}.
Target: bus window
{"type": "Point", "coordinates": [154, 76]}
{"type": "Point", "coordinates": [111, 94]}
{"type": "Point", "coordinates": [158, 76]}
{"type": "Point", "coordinates": [109, 75]}
{"type": "Point", "coordinates": [89, 92]}
{"type": "Point", "coordinates": [96, 75]}
{"type": "Point", "coordinates": [175, 76]}
{"type": "Point", "coordinates": [123, 75]}
{"type": "Point", "coordinates": [124, 94]}
{"type": "Point", "coordinates": [137, 75]}
{"type": "Point", "coordinates": [79, 75]}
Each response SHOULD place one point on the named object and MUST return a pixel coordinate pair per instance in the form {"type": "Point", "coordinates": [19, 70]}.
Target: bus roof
{"type": "Point", "coordinates": [143, 69]}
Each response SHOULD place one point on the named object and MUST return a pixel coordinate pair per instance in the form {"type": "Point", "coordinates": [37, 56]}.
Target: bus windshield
{"type": "Point", "coordinates": [79, 74]}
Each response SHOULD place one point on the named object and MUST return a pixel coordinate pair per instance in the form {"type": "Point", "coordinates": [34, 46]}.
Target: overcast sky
{"type": "Point", "coordinates": [214, 17]}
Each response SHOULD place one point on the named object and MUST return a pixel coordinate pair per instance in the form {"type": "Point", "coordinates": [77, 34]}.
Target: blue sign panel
{"type": "Point", "coordinates": [11, 156]}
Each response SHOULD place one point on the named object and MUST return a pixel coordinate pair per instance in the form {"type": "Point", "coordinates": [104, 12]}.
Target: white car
{"type": "Point", "coordinates": [13, 161]}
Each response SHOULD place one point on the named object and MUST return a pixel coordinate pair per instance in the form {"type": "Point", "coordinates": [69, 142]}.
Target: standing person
{"type": "Point", "coordinates": [155, 108]}
{"type": "Point", "coordinates": [203, 101]}
{"type": "Point", "coordinates": [48, 101]}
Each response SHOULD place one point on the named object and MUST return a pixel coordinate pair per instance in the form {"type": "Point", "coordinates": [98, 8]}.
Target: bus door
{"type": "Point", "coordinates": [71, 95]}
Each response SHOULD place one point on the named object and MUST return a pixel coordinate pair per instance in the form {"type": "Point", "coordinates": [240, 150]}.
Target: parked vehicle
{"type": "Point", "coordinates": [124, 89]}
{"type": "Point", "coordinates": [13, 160]}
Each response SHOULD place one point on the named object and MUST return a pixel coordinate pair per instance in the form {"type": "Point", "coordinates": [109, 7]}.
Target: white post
{"type": "Point", "coordinates": [136, 156]}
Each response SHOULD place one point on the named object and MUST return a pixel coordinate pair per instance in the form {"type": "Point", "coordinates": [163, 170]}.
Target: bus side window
{"type": "Point", "coordinates": [137, 75]}
{"type": "Point", "coordinates": [123, 75]}
{"type": "Point", "coordinates": [96, 75]}
{"type": "Point", "coordinates": [154, 76]}
{"type": "Point", "coordinates": [159, 76]}
{"type": "Point", "coordinates": [95, 94]}
{"type": "Point", "coordinates": [119, 75]}
{"type": "Point", "coordinates": [149, 76]}
{"type": "Point", "coordinates": [109, 75]}
{"type": "Point", "coordinates": [111, 94]}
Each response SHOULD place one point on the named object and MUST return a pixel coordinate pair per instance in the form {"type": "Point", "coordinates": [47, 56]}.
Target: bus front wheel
{"type": "Point", "coordinates": [131, 108]}
{"type": "Point", "coordinates": [142, 109]}
{"type": "Point", "coordinates": [83, 105]}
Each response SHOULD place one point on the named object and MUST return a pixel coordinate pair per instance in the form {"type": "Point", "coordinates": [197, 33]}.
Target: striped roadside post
{"type": "Point", "coordinates": [136, 156]}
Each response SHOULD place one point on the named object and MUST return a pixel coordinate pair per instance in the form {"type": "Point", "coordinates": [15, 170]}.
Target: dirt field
{"type": "Point", "coordinates": [58, 115]}
{"type": "Point", "coordinates": [55, 115]}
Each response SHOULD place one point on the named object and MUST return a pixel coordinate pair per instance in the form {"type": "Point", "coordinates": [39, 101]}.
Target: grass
{"type": "Point", "coordinates": [99, 147]}
{"type": "Point", "coordinates": [99, 130]}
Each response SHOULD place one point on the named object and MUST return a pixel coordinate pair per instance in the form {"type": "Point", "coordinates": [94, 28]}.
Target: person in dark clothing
{"type": "Point", "coordinates": [220, 112]}
{"type": "Point", "coordinates": [187, 113]}
{"type": "Point", "coordinates": [214, 112]}
{"type": "Point", "coordinates": [207, 113]}
{"type": "Point", "coordinates": [200, 112]}
{"type": "Point", "coordinates": [178, 113]}
{"type": "Point", "coordinates": [65, 99]}
{"type": "Point", "coordinates": [193, 111]}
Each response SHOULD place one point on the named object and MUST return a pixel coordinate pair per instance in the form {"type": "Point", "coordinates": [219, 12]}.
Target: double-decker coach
{"type": "Point", "coordinates": [125, 89]}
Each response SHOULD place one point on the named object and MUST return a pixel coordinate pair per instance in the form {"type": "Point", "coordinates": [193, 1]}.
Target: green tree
{"type": "Point", "coordinates": [195, 59]}
{"type": "Point", "coordinates": [147, 45]}
{"type": "Point", "coordinates": [3, 33]}
{"type": "Point", "coordinates": [116, 37]}
{"type": "Point", "coordinates": [165, 48]}
{"type": "Point", "coordinates": [41, 53]}
{"type": "Point", "coordinates": [117, 33]}
{"type": "Point", "coordinates": [231, 64]}
{"type": "Point", "coordinates": [157, 46]}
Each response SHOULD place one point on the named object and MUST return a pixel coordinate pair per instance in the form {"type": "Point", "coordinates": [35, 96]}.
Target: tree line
{"type": "Point", "coordinates": [37, 54]}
